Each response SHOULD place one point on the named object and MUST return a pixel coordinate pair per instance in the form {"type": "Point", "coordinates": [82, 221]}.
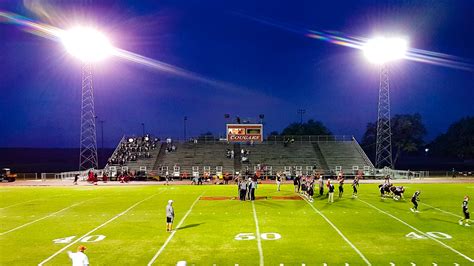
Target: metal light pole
{"type": "Point", "coordinates": [381, 51]}
{"type": "Point", "coordinates": [184, 120]}
{"type": "Point", "coordinates": [383, 151]}
{"type": "Point", "coordinates": [88, 141]}
{"type": "Point", "coordinates": [143, 129]}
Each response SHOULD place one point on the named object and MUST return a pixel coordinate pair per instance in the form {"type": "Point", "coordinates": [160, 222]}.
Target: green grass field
{"type": "Point", "coordinates": [125, 225]}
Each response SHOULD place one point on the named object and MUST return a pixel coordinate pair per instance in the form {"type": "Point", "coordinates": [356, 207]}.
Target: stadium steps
{"type": "Point", "coordinates": [344, 154]}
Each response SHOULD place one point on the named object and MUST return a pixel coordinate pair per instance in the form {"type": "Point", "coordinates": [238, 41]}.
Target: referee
{"type": "Point", "coordinates": [169, 216]}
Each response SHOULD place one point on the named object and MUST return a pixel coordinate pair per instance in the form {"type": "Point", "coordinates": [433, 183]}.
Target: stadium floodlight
{"type": "Point", "coordinates": [381, 50]}
{"type": "Point", "coordinates": [87, 44]}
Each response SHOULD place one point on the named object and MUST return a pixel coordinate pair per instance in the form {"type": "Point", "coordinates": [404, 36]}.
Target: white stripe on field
{"type": "Point", "coordinates": [459, 216]}
{"type": "Point", "coordinates": [97, 228]}
{"type": "Point", "coordinates": [259, 240]}
{"type": "Point", "coordinates": [339, 232]}
{"type": "Point", "coordinates": [174, 232]}
{"type": "Point", "coordinates": [17, 204]}
{"type": "Point", "coordinates": [42, 218]}
{"type": "Point", "coordinates": [426, 235]}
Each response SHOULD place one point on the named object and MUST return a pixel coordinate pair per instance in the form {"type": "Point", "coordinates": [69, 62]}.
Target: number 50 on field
{"type": "Point", "coordinates": [251, 236]}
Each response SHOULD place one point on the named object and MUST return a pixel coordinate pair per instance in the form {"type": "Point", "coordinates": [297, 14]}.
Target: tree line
{"type": "Point", "coordinates": [408, 136]}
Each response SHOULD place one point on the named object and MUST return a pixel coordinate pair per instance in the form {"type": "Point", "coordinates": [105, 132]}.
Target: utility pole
{"type": "Point", "coordinates": [300, 113]}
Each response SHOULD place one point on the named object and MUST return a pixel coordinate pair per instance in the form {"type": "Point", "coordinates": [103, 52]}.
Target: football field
{"type": "Point", "coordinates": [125, 225]}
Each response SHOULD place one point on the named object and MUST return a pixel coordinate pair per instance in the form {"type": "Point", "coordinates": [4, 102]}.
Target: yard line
{"type": "Point", "coordinates": [42, 218]}
{"type": "Point", "coordinates": [97, 228]}
{"type": "Point", "coordinates": [338, 231]}
{"type": "Point", "coordinates": [18, 204]}
{"type": "Point", "coordinates": [459, 216]}
{"type": "Point", "coordinates": [174, 232]}
{"type": "Point", "coordinates": [259, 240]}
{"type": "Point", "coordinates": [419, 231]}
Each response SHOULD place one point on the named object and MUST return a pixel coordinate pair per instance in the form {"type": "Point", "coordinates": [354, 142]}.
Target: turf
{"type": "Point", "coordinates": [132, 219]}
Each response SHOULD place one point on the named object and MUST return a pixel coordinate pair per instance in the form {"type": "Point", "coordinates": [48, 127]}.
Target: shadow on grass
{"type": "Point", "coordinates": [188, 226]}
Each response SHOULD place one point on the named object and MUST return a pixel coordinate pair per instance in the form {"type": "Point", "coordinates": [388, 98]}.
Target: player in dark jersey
{"type": "Point", "coordinates": [297, 183]}
{"type": "Point", "coordinates": [414, 200]}
{"type": "Point", "coordinates": [465, 211]}
{"type": "Point", "coordinates": [355, 185]}
{"type": "Point", "coordinates": [341, 185]}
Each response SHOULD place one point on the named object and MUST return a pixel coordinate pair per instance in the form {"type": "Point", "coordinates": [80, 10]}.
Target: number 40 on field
{"type": "Point", "coordinates": [69, 239]}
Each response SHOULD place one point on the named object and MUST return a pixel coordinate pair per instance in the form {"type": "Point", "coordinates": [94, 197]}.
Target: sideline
{"type": "Point", "coordinates": [419, 231]}
{"type": "Point", "coordinates": [339, 232]}
{"type": "Point", "coordinates": [174, 231]}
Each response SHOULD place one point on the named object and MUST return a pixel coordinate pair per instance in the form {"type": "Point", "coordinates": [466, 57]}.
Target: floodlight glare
{"type": "Point", "coordinates": [87, 44]}
{"type": "Point", "coordinates": [381, 50]}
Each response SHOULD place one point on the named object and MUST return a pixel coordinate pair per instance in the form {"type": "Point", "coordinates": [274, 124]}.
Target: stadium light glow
{"type": "Point", "coordinates": [87, 44]}
{"type": "Point", "coordinates": [381, 50]}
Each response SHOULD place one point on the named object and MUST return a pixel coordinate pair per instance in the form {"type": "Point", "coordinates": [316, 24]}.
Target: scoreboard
{"type": "Point", "coordinates": [244, 132]}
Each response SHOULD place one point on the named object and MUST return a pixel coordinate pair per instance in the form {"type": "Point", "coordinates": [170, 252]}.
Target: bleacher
{"type": "Point", "coordinates": [344, 155]}
{"type": "Point", "coordinates": [279, 156]}
{"type": "Point", "coordinates": [327, 155]}
{"type": "Point", "coordinates": [188, 155]}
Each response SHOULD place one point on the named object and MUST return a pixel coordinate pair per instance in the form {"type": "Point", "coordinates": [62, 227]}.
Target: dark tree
{"type": "Point", "coordinates": [309, 128]}
{"type": "Point", "coordinates": [407, 135]}
{"type": "Point", "coordinates": [457, 142]}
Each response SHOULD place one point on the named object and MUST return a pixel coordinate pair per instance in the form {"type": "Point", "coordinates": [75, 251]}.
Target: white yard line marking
{"type": "Point", "coordinates": [459, 216]}
{"type": "Point", "coordinates": [97, 228]}
{"type": "Point", "coordinates": [18, 204]}
{"type": "Point", "coordinates": [174, 232]}
{"type": "Point", "coordinates": [426, 235]}
{"type": "Point", "coordinates": [259, 240]}
{"type": "Point", "coordinates": [339, 232]}
{"type": "Point", "coordinates": [42, 218]}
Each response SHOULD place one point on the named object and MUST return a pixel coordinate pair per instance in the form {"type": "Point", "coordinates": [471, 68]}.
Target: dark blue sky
{"type": "Point", "coordinates": [276, 71]}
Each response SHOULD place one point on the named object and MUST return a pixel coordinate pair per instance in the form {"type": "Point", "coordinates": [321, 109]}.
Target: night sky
{"type": "Point", "coordinates": [268, 70]}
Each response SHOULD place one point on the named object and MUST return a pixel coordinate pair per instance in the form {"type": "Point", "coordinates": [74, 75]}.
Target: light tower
{"type": "Point", "coordinates": [89, 46]}
{"type": "Point", "coordinates": [381, 51]}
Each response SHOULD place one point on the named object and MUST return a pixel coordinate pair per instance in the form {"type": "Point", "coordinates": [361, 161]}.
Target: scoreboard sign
{"type": "Point", "coordinates": [244, 132]}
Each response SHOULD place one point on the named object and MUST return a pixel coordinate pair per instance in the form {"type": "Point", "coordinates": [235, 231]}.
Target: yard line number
{"type": "Point", "coordinates": [251, 236]}
{"type": "Point", "coordinates": [438, 235]}
{"type": "Point", "coordinates": [87, 239]}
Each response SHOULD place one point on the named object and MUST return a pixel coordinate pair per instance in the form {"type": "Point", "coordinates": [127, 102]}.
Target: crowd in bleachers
{"type": "Point", "coordinates": [134, 148]}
